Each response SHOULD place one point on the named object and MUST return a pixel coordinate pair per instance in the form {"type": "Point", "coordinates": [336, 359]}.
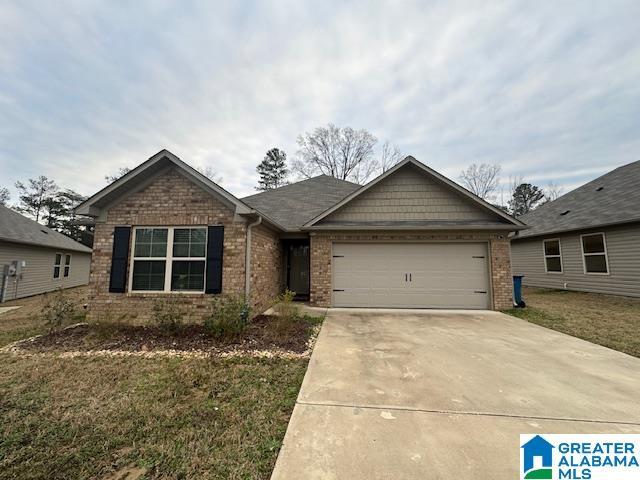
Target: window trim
{"type": "Point", "coordinates": [59, 266]}
{"type": "Point", "coordinates": [605, 253]}
{"type": "Point", "coordinates": [66, 269]}
{"type": "Point", "coordinates": [545, 256]}
{"type": "Point", "coordinates": [168, 259]}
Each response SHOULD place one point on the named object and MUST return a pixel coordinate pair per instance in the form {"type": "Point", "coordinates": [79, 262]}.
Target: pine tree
{"type": "Point", "coordinates": [526, 197]}
{"type": "Point", "coordinates": [273, 170]}
{"type": "Point", "coordinates": [35, 196]}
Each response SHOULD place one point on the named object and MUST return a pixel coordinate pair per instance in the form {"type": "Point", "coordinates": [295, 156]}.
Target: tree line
{"type": "Point", "coordinates": [349, 154]}
{"type": "Point", "coordinates": [341, 152]}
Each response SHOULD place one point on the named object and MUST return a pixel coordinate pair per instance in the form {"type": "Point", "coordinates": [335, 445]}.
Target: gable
{"type": "Point", "coordinates": [409, 195]}
{"type": "Point", "coordinates": [165, 199]}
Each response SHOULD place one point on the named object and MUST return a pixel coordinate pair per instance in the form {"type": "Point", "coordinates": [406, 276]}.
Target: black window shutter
{"type": "Point", "coordinates": [215, 243]}
{"type": "Point", "coordinates": [119, 259]}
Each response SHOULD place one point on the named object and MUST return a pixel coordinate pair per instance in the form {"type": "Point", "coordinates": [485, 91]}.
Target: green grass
{"type": "Point", "coordinates": [174, 418]}
{"type": "Point", "coordinates": [607, 320]}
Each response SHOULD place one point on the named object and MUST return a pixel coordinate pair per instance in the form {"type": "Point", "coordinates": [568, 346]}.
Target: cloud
{"type": "Point", "coordinates": [548, 90]}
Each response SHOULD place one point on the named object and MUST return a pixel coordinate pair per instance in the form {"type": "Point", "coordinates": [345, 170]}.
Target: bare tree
{"type": "Point", "coordinates": [120, 173]}
{"type": "Point", "coordinates": [389, 156]}
{"type": "Point", "coordinates": [210, 173]}
{"type": "Point", "coordinates": [481, 180]}
{"type": "Point", "coordinates": [343, 153]}
{"type": "Point", "coordinates": [552, 191]}
{"type": "Point", "coordinates": [4, 195]}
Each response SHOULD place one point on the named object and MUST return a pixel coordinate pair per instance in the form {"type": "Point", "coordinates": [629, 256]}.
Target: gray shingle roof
{"type": "Point", "coordinates": [293, 205]}
{"type": "Point", "coordinates": [611, 199]}
{"type": "Point", "coordinates": [20, 229]}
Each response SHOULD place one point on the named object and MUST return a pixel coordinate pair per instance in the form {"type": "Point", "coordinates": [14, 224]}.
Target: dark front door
{"type": "Point", "coordinates": [298, 268]}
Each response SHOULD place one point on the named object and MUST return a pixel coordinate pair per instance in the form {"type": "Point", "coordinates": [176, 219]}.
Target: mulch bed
{"type": "Point", "coordinates": [262, 333]}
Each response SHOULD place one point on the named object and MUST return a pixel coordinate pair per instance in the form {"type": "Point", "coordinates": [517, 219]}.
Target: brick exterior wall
{"type": "Point", "coordinates": [499, 252]}
{"type": "Point", "coordinates": [266, 267]}
{"type": "Point", "coordinates": [170, 200]}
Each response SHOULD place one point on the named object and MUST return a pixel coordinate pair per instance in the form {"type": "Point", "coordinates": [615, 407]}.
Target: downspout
{"type": "Point", "coordinates": [247, 259]}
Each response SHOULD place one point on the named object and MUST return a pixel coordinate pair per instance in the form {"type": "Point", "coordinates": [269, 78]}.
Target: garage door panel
{"type": "Point", "coordinates": [443, 275]}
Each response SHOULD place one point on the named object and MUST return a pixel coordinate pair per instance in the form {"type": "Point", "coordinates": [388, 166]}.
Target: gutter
{"type": "Point", "coordinates": [247, 259]}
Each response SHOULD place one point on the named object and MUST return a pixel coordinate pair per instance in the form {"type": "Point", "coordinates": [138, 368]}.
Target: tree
{"type": "Point", "coordinates": [526, 197]}
{"type": "Point", "coordinates": [552, 191]}
{"type": "Point", "coordinates": [342, 153]}
{"type": "Point", "coordinates": [58, 212]}
{"type": "Point", "coordinates": [34, 197]}
{"type": "Point", "coordinates": [272, 170]}
{"type": "Point", "coordinates": [482, 180]}
{"type": "Point", "coordinates": [4, 195]}
{"type": "Point", "coordinates": [210, 173]}
{"type": "Point", "coordinates": [120, 173]}
{"type": "Point", "coordinates": [389, 156]}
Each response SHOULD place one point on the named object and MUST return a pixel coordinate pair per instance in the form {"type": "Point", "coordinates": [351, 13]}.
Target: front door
{"type": "Point", "coordinates": [298, 268]}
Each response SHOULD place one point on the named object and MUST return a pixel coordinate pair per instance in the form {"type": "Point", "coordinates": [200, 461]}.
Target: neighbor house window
{"type": "Point", "coordinates": [552, 256]}
{"type": "Point", "coordinates": [67, 265]}
{"type": "Point", "coordinates": [56, 266]}
{"type": "Point", "coordinates": [594, 254]}
{"type": "Point", "coordinates": [170, 259]}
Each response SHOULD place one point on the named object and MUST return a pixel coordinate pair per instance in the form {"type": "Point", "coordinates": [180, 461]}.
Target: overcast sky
{"type": "Point", "coordinates": [549, 90]}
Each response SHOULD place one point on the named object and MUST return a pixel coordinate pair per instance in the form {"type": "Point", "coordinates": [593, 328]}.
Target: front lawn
{"type": "Point", "coordinates": [73, 418]}
{"type": "Point", "coordinates": [115, 402]}
{"type": "Point", "coordinates": [607, 320]}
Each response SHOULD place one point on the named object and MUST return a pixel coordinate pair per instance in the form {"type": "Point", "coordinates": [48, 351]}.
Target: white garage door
{"type": "Point", "coordinates": [410, 275]}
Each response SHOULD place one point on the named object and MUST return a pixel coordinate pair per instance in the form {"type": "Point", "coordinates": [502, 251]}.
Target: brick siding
{"type": "Point", "coordinates": [170, 200]}
{"type": "Point", "coordinates": [266, 263]}
{"type": "Point", "coordinates": [499, 252]}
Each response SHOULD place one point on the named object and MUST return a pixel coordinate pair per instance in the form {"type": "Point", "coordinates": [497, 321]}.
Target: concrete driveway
{"type": "Point", "coordinates": [436, 394]}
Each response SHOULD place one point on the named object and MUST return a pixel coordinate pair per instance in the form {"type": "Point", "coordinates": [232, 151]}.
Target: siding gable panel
{"type": "Point", "coordinates": [409, 195]}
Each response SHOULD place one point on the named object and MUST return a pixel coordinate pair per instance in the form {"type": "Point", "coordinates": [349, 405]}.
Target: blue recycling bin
{"type": "Point", "coordinates": [517, 291]}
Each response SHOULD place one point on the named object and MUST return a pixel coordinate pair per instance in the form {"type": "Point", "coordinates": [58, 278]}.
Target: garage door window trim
{"type": "Point", "coordinates": [552, 252]}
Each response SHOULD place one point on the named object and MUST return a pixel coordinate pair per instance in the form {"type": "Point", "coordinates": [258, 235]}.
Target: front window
{"type": "Point", "coordinates": [170, 259]}
{"type": "Point", "coordinates": [594, 254]}
{"type": "Point", "coordinates": [552, 256]}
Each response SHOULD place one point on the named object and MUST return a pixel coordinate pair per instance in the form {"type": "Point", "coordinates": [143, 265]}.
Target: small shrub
{"type": "Point", "coordinates": [168, 313]}
{"type": "Point", "coordinates": [285, 306]}
{"type": "Point", "coordinates": [229, 316]}
{"type": "Point", "coordinates": [58, 310]}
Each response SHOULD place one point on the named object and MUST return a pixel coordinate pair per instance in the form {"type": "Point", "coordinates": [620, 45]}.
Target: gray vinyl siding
{"type": "Point", "coordinates": [623, 252]}
{"type": "Point", "coordinates": [409, 195]}
{"type": "Point", "coordinates": [37, 276]}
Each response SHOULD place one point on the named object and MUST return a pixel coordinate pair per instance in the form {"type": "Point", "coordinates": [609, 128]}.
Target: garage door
{"type": "Point", "coordinates": [410, 275]}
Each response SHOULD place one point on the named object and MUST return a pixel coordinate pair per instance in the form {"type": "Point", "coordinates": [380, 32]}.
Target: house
{"type": "Point", "coordinates": [586, 240]}
{"type": "Point", "coordinates": [35, 259]}
{"type": "Point", "coordinates": [409, 238]}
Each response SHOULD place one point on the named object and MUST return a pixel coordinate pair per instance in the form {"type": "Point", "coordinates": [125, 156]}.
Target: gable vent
{"type": "Point", "coordinates": [599, 189]}
{"type": "Point", "coordinates": [565, 212]}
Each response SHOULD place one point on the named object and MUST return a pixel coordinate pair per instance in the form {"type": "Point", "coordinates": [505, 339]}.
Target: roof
{"type": "Point", "coordinates": [612, 199]}
{"type": "Point", "coordinates": [137, 178]}
{"type": "Point", "coordinates": [504, 218]}
{"type": "Point", "coordinates": [293, 205]}
{"type": "Point", "coordinates": [17, 228]}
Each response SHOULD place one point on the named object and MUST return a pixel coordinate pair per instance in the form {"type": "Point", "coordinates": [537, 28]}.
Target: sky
{"type": "Point", "coordinates": [549, 90]}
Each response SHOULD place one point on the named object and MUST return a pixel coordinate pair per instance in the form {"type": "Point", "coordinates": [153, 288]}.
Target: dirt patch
{"type": "Point", "coordinates": [265, 332]}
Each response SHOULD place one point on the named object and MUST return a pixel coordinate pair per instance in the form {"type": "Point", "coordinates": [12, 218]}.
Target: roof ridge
{"type": "Point", "coordinates": [279, 189]}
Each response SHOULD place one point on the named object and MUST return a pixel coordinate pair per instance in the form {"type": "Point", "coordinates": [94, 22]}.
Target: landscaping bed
{"type": "Point", "coordinates": [608, 320]}
{"type": "Point", "coordinates": [264, 332]}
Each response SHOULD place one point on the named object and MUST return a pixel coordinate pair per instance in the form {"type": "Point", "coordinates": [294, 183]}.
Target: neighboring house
{"type": "Point", "coordinates": [35, 259]}
{"type": "Point", "coordinates": [409, 238]}
{"type": "Point", "coordinates": [587, 240]}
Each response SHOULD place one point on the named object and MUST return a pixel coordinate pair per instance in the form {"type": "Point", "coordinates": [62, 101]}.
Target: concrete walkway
{"type": "Point", "coordinates": [8, 309]}
{"type": "Point", "coordinates": [435, 394]}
